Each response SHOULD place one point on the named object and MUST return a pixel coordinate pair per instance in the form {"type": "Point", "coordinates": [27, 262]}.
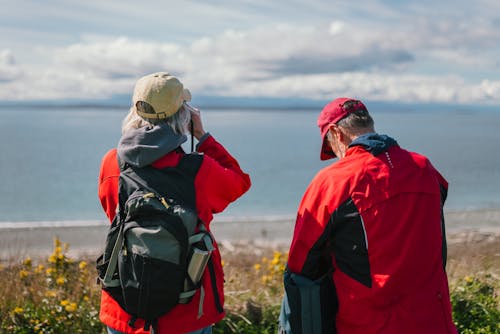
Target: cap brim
{"type": "Point", "coordinates": [326, 150]}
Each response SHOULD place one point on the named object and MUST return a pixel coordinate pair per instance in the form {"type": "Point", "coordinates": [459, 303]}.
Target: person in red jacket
{"type": "Point", "coordinates": [372, 224]}
{"type": "Point", "coordinates": [152, 134]}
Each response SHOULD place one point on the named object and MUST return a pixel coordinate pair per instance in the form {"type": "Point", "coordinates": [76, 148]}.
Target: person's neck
{"type": "Point", "coordinates": [353, 137]}
{"type": "Point", "coordinates": [349, 138]}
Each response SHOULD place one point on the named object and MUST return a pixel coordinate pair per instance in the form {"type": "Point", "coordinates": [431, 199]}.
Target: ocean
{"type": "Point", "coordinates": [50, 156]}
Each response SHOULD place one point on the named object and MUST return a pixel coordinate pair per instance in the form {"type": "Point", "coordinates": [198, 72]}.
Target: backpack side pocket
{"type": "Point", "coordinates": [152, 266]}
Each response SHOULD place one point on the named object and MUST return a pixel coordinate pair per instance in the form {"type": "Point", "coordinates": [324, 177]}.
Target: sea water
{"type": "Point", "coordinates": [50, 156]}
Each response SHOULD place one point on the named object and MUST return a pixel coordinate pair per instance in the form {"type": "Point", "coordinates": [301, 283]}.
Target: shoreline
{"type": "Point", "coordinates": [86, 238]}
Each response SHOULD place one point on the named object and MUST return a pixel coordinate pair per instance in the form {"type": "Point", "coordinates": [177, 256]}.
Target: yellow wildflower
{"type": "Point", "coordinates": [60, 280]}
{"type": "Point", "coordinates": [70, 307]}
{"type": "Point", "coordinates": [64, 302]}
{"type": "Point", "coordinates": [266, 279]}
{"type": "Point", "coordinates": [276, 258]}
{"type": "Point", "coordinates": [18, 310]}
{"type": "Point", "coordinates": [39, 269]}
{"type": "Point", "coordinates": [256, 266]}
{"type": "Point", "coordinates": [86, 298]}
{"type": "Point", "coordinates": [468, 279]}
{"type": "Point", "coordinates": [50, 271]}
{"type": "Point", "coordinates": [23, 273]}
{"type": "Point", "coordinates": [38, 328]}
{"type": "Point", "coordinates": [50, 293]}
{"type": "Point", "coordinates": [27, 262]}
{"type": "Point", "coordinates": [82, 265]}
{"type": "Point", "coordinates": [52, 258]}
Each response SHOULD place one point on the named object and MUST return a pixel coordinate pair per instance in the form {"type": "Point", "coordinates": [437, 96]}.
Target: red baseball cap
{"type": "Point", "coordinates": [331, 114]}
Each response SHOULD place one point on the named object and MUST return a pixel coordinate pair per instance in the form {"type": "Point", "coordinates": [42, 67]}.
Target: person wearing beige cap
{"type": "Point", "coordinates": [209, 180]}
{"type": "Point", "coordinates": [368, 253]}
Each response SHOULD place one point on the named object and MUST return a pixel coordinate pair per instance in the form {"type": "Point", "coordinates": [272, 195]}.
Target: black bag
{"type": "Point", "coordinates": [148, 265]}
{"type": "Point", "coordinates": [308, 306]}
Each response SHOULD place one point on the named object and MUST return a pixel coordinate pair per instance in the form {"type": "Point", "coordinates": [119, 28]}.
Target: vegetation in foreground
{"type": "Point", "coordinates": [59, 294]}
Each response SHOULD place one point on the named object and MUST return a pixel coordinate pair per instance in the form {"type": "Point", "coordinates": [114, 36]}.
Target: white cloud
{"type": "Point", "coordinates": [487, 90]}
{"type": "Point", "coordinates": [390, 55]}
{"type": "Point", "coordinates": [8, 69]}
{"type": "Point", "coordinates": [335, 27]}
{"type": "Point", "coordinates": [121, 57]}
{"type": "Point", "coordinates": [409, 88]}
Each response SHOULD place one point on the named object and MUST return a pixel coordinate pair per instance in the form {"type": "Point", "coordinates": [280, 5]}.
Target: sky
{"type": "Point", "coordinates": [398, 51]}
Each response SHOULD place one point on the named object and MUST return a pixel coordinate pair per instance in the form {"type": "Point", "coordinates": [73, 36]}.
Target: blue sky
{"type": "Point", "coordinates": [405, 51]}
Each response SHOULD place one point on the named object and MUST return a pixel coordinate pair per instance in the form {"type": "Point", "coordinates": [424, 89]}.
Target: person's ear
{"type": "Point", "coordinates": [334, 128]}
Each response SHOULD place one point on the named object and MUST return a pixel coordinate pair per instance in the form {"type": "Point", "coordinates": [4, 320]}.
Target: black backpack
{"type": "Point", "coordinates": [157, 248]}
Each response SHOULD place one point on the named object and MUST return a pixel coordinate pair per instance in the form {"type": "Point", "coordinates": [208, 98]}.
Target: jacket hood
{"type": "Point", "coordinates": [143, 146]}
{"type": "Point", "coordinates": [374, 143]}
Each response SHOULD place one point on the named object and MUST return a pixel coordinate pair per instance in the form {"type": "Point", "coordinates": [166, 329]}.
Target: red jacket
{"type": "Point", "coordinates": [376, 217]}
{"type": "Point", "coordinates": [219, 182]}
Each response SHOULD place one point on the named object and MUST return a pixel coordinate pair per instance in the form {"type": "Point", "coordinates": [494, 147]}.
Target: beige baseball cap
{"type": "Point", "coordinates": [164, 92]}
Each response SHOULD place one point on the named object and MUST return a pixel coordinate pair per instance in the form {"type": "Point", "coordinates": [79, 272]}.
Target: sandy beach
{"type": "Point", "coordinates": [18, 240]}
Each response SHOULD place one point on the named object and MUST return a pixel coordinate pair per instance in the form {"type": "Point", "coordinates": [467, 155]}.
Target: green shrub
{"type": "Point", "coordinates": [253, 294]}
{"type": "Point", "coordinates": [49, 317]}
{"type": "Point", "coordinates": [56, 296]}
{"type": "Point", "coordinates": [256, 319]}
{"type": "Point", "coordinates": [60, 296]}
{"type": "Point", "coordinates": [475, 306]}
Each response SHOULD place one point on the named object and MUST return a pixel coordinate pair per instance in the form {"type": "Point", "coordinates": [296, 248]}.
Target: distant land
{"type": "Point", "coordinates": [230, 102]}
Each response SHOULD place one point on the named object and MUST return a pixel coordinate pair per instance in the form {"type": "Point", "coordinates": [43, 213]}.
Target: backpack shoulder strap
{"type": "Point", "coordinates": [191, 163]}
{"type": "Point", "coordinates": [176, 182]}
{"type": "Point", "coordinates": [108, 280]}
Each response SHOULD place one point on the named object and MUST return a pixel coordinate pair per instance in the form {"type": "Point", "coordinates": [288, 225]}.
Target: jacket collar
{"type": "Point", "coordinates": [374, 143]}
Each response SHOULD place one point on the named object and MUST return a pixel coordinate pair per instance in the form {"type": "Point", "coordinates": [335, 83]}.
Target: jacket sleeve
{"type": "Point", "coordinates": [108, 183]}
{"type": "Point", "coordinates": [220, 179]}
{"type": "Point", "coordinates": [443, 187]}
{"type": "Point", "coordinates": [309, 252]}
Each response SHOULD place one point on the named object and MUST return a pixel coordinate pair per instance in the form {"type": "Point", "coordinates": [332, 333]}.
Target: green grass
{"type": "Point", "coordinates": [475, 305]}
{"type": "Point", "coordinates": [59, 294]}
{"type": "Point", "coordinates": [56, 295]}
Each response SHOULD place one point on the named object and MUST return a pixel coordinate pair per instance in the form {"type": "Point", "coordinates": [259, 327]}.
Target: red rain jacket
{"type": "Point", "coordinates": [378, 220]}
{"type": "Point", "coordinates": [219, 182]}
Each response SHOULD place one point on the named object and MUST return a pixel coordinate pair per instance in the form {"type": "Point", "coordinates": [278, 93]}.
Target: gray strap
{"type": "Point", "coordinates": [200, 306]}
{"type": "Point", "coordinates": [186, 294]}
{"type": "Point", "coordinates": [184, 297]}
{"type": "Point", "coordinates": [207, 240]}
{"type": "Point", "coordinates": [284, 326]}
{"type": "Point", "coordinates": [108, 281]}
{"type": "Point", "coordinates": [195, 238]}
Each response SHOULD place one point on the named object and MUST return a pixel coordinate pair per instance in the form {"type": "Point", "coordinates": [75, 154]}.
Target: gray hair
{"type": "Point", "coordinates": [178, 122]}
{"type": "Point", "coordinates": [357, 122]}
